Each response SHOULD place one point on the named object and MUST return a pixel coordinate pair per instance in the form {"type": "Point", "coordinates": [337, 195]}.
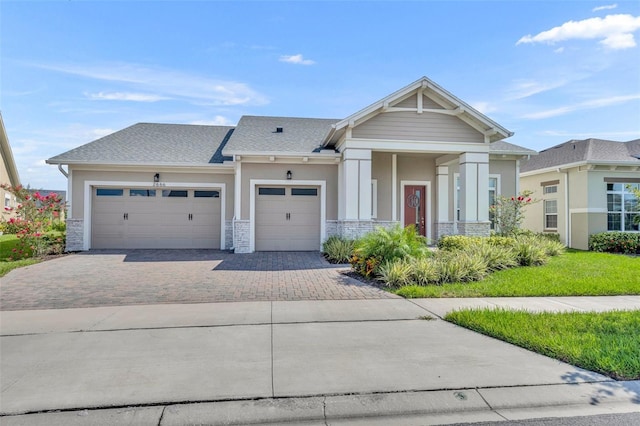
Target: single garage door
{"type": "Point", "coordinates": [155, 218]}
{"type": "Point", "coordinates": [287, 218]}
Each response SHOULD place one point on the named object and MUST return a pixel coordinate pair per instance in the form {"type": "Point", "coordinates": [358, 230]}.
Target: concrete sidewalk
{"type": "Point", "coordinates": [328, 362]}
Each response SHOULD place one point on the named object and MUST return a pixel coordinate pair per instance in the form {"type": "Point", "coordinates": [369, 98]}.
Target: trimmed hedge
{"type": "Point", "coordinates": [615, 242]}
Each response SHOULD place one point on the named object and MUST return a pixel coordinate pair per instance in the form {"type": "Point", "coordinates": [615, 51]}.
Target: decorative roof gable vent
{"type": "Point", "coordinates": [279, 130]}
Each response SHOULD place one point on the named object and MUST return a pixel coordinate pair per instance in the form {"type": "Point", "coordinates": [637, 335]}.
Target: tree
{"type": "Point", "coordinates": [508, 212]}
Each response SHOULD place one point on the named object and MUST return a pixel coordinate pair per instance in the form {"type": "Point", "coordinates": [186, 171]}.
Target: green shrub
{"type": "Point", "coordinates": [457, 242]}
{"type": "Point", "coordinates": [500, 241]}
{"type": "Point", "coordinates": [396, 272]}
{"type": "Point", "coordinates": [385, 245]}
{"type": "Point", "coordinates": [461, 267]}
{"type": "Point", "coordinates": [337, 249]}
{"type": "Point", "coordinates": [615, 242]}
{"type": "Point", "coordinates": [497, 257]}
{"type": "Point", "coordinates": [551, 247]}
{"type": "Point", "coordinates": [426, 271]}
{"type": "Point", "coordinates": [530, 252]}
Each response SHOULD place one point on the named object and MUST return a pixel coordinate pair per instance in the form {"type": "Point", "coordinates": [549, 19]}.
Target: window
{"type": "Point", "coordinates": [7, 200]}
{"type": "Point", "coordinates": [305, 191]}
{"type": "Point", "coordinates": [270, 191]}
{"type": "Point", "coordinates": [623, 208]}
{"type": "Point", "coordinates": [142, 193]}
{"type": "Point", "coordinates": [175, 193]}
{"type": "Point", "coordinates": [109, 192]}
{"type": "Point", "coordinates": [551, 189]}
{"type": "Point", "coordinates": [550, 214]}
{"type": "Point", "coordinates": [206, 194]}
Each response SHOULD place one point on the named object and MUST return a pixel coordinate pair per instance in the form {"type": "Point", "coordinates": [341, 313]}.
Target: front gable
{"type": "Point", "coordinates": [417, 118]}
{"type": "Point", "coordinates": [419, 112]}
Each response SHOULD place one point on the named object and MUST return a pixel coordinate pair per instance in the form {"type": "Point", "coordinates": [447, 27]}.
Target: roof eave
{"type": "Point", "coordinates": [7, 155]}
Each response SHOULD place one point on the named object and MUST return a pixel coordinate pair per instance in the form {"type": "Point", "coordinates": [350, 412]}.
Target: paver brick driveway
{"type": "Point", "coordinates": [140, 277]}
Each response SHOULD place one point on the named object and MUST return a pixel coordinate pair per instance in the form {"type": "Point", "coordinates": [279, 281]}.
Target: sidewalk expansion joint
{"type": "Point", "coordinates": [424, 309]}
{"type": "Point", "coordinates": [162, 415]}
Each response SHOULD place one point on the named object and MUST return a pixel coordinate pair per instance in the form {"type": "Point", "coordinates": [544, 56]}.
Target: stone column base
{"type": "Point", "coordinates": [474, 229]}
{"type": "Point", "coordinates": [75, 235]}
{"type": "Point", "coordinates": [241, 230]}
{"type": "Point", "coordinates": [444, 228]}
{"type": "Point", "coordinates": [356, 228]}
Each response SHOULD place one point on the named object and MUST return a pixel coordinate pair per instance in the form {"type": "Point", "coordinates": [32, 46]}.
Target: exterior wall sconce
{"type": "Point", "coordinates": [156, 178]}
{"type": "Point", "coordinates": [289, 174]}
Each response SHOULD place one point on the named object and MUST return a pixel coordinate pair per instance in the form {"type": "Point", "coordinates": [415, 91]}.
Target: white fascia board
{"type": "Point", "coordinates": [132, 164]}
{"type": "Point", "coordinates": [265, 154]}
{"type": "Point", "coordinates": [416, 146]}
{"type": "Point", "coordinates": [217, 168]}
{"type": "Point", "coordinates": [580, 163]}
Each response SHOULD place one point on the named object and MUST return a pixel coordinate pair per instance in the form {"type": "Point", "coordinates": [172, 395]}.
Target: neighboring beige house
{"type": "Point", "coordinates": [583, 188]}
{"type": "Point", "coordinates": [8, 173]}
{"type": "Point", "coordinates": [419, 156]}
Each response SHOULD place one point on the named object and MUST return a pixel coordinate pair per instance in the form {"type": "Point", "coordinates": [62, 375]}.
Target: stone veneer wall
{"type": "Point", "coordinates": [444, 228]}
{"type": "Point", "coordinates": [474, 229]}
{"type": "Point", "coordinates": [75, 235]}
{"type": "Point", "coordinates": [228, 235]}
{"type": "Point", "coordinates": [357, 228]}
{"type": "Point", "coordinates": [241, 236]}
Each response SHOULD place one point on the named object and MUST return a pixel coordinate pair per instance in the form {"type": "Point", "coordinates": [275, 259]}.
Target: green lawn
{"type": "Point", "coordinates": [7, 244]}
{"type": "Point", "coordinates": [606, 343]}
{"type": "Point", "coordinates": [575, 273]}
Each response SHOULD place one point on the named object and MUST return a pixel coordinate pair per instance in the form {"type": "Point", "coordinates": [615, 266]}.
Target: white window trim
{"type": "Point", "coordinates": [545, 214]}
{"type": "Point", "coordinates": [254, 183]}
{"type": "Point", "coordinates": [428, 213]}
{"type": "Point", "coordinates": [88, 199]}
{"type": "Point", "coordinates": [622, 212]}
{"type": "Point", "coordinates": [7, 200]}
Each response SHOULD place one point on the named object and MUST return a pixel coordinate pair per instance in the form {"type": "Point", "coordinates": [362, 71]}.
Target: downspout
{"type": "Point", "coordinates": [567, 216]}
{"type": "Point", "coordinates": [62, 171]}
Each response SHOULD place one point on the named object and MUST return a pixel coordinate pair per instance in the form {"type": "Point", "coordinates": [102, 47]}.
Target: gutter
{"type": "Point", "coordinates": [66, 174]}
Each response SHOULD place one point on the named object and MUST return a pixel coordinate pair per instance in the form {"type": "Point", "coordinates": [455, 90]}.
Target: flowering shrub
{"type": "Point", "coordinates": [508, 213]}
{"type": "Point", "coordinates": [38, 225]}
{"type": "Point", "coordinates": [615, 242]}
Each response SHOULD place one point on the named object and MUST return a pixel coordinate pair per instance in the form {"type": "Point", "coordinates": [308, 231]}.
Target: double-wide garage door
{"type": "Point", "coordinates": [155, 218]}
{"type": "Point", "coordinates": [287, 218]}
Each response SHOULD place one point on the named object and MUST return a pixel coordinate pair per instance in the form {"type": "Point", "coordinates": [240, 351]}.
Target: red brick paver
{"type": "Point", "coordinates": [141, 277]}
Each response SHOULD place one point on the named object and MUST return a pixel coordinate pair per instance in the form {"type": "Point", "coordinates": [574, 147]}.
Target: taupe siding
{"type": "Point", "coordinates": [417, 127]}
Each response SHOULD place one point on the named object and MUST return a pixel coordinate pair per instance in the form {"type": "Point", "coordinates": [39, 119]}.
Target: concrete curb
{"type": "Point", "coordinates": [401, 408]}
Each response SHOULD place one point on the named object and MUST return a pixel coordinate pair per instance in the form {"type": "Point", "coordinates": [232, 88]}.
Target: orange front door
{"type": "Point", "coordinates": [414, 207]}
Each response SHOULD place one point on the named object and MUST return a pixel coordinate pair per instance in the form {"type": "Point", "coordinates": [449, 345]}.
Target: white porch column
{"type": "Point", "coordinates": [474, 193]}
{"type": "Point", "coordinates": [356, 177]}
{"type": "Point", "coordinates": [442, 193]}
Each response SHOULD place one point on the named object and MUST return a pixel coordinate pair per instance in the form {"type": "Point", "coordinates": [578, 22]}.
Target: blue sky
{"type": "Point", "coordinates": [73, 71]}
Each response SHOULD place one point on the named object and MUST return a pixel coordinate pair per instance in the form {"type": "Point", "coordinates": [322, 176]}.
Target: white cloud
{"type": "Point", "coordinates": [615, 31]}
{"type": "Point", "coordinates": [218, 120]}
{"type": "Point", "coordinates": [296, 59]}
{"type": "Point", "coordinates": [484, 107]}
{"type": "Point", "coordinates": [605, 7]}
{"type": "Point", "coordinates": [167, 83]}
{"type": "Point", "coordinates": [559, 50]}
{"type": "Point", "coordinates": [591, 104]}
{"type": "Point", "coordinates": [523, 88]}
{"type": "Point", "coordinates": [125, 96]}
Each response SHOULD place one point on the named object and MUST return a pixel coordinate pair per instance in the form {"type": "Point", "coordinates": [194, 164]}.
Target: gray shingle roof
{"type": "Point", "coordinates": [502, 147]}
{"type": "Point", "coordinates": [154, 144]}
{"type": "Point", "coordinates": [258, 134]}
{"type": "Point", "coordinates": [587, 150]}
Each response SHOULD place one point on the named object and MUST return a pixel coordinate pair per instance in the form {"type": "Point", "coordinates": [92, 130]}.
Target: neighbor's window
{"type": "Point", "coordinates": [550, 214]}
{"type": "Point", "coordinates": [623, 208]}
{"type": "Point", "coordinates": [7, 200]}
{"type": "Point", "coordinates": [550, 189]}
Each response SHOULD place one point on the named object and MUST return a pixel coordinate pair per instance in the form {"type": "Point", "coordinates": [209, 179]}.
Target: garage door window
{"type": "Point", "coordinates": [271, 191]}
{"type": "Point", "coordinates": [109, 192]}
{"type": "Point", "coordinates": [142, 193]}
{"type": "Point", "coordinates": [174, 193]}
{"type": "Point", "coordinates": [305, 191]}
{"type": "Point", "coordinates": [206, 194]}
